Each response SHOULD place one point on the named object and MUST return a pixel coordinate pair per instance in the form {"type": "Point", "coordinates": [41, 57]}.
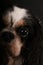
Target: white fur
{"type": "Point", "coordinates": [17, 14]}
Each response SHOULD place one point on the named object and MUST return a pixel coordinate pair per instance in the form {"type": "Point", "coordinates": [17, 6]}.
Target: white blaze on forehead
{"type": "Point", "coordinates": [16, 14]}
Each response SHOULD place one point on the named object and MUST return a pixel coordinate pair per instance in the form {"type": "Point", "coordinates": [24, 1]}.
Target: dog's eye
{"type": "Point", "coordinates": [22, 31]}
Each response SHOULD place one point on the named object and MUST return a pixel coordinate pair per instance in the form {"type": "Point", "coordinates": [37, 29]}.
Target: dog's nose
{"type": "Point", "coordinates": [7, 36]}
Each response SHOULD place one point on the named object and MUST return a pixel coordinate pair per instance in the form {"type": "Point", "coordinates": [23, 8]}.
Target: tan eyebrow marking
{"type": "Point", "coordinates": [20, 23]}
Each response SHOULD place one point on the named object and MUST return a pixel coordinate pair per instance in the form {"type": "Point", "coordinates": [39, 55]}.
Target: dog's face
{"type": "Point", "coordinates": [19, 30]}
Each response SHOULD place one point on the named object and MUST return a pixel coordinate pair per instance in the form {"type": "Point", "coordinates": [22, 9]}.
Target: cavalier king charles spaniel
{"type": "Point", "coordinates": [20, 38]}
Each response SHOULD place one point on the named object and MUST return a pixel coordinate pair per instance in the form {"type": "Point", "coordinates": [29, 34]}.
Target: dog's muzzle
{"type": "Point", "coordinates": [7, 36]}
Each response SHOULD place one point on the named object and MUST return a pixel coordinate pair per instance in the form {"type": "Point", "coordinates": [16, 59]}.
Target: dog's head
{"type": "Point", "coordinates": [21, 29]}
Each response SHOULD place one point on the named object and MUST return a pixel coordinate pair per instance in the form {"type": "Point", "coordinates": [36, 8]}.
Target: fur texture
{"type": "Point", "coordinates": [20, 38]}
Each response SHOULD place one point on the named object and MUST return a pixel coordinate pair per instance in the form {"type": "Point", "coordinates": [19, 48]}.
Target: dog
{"type": "Point", "coordinates": [20, 38]}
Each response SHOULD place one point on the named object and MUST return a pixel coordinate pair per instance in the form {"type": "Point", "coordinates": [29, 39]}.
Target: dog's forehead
{"type": "Point", "coordinates": [16, 15]}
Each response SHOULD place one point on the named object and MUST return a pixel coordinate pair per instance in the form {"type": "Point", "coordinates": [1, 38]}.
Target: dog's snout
{"type": "Point", "coordinates": [7, 36]}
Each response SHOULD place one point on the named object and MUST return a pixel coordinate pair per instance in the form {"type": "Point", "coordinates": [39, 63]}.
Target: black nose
{"type": "Point", "coordinates": [7, 36]}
